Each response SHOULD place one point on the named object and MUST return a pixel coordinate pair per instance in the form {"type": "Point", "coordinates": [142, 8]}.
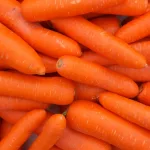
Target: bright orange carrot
{"type": "Point", "coordinates": [128, 109]}
{"type": "Point", "coordinates": [96, 58]}
{"type": "Point", "coordinates": [43, 40]}
{"type": "Point", "coordinates": [52, 131]}
{"type": "Point", "coordinates": [135, 30]}
{"type": "Point", "coordinates": [54, 148]}
{"type": "Point", "coordinates": [128, 8]}
{"type": "Point", "coordinates": [117, 50]}
{"type": "Point", "coordinates": [110, 24]}
{"type": "Point", "coordinates": [144, 95]}
{"type": "Point", "coordinates": [22, 130]}
{"type": "Point", "coordinates": [102, 124]}
{"type": "Point", "coordinates": [65, 8]}
{"type": "Point", "coordinates": [95, 75]}
{"type": "Point", "coordinates": [56, 90]}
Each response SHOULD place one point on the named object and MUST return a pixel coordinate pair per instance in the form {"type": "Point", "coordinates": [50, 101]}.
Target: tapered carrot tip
{"type": "Point", "coordinates": [41, 71]}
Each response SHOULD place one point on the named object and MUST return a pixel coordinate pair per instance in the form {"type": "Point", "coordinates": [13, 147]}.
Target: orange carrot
{"type": "Point", "coordinates": [135, 30]}
{"type": "Point", "coordinates": [95, 75]}
{"type": "Point", "coordinates": [128, 8]}
{"type": "Point", "coordinates": [54, 148]}
{"type": "Point", "coordinates": [56, 90]}
{"type": "Point", "coordinates": [87, 92]}
{"type": "Point", "coordinates": [102, 124]}
{"type": "Point", "coordinates": [110, 24]}
{"type": "Point", "coordinates": [130, 110]}
{"type": "Point", "coordinates": [65, 8]}
{"type": "Point", "coordinates": [52, 131]}
{"type": "Point", "coordinates": [117, 50]}
{"type": "Point", "coordinates": [94, 57]}
{"type": "Point", "coordinates": [144, 95]}
{"type": "Point", "coordinates": [43, 40]}
{"type": "Point", "coordinates": [73, 140]}
{"type": "Point", "coordinates": [22, 130]}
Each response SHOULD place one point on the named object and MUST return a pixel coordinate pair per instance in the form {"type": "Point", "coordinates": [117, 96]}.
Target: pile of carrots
{"type": "Point", "coordinates": [75, 74]}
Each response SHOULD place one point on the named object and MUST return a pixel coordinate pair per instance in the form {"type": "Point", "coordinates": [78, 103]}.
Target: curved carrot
{"type": "Point", "coordinates": [102, 124]}
{"type": "Point", "coordinates": [135, 30]}
{"type": "Point", "coordinates": [73, 140]}
{"type": "Point", "coordinates": [95, 75]}
{"type": "Point", "coordinates": [110, 24]}
{"type": "Point", "coordinates": [87, 92]}
{"type": "Point", "coordinates": [128, 109]}
{"type": "Point", "coordinates": [128, 8]}
{"type": "Point", "coordinates": [43, 40]}
{"type": "Point", "coordinates": [96, 58]}
{"type": "Point", "coordinates": [54, 148]}
{"type": "Point", "coordinates": [52, 131]}
{"type": "Point", "coordinates": [117, 50]}
{"type": "Point", "coordinates": [22, 130]}
{"type": "Point", "coordinates": [65, 8]}
{"type": "Point", "coordinates": [56, 90]}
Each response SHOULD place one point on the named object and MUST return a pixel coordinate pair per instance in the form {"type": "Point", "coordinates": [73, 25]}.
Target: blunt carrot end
{"type": "Point", "coordinates": [59, 63]}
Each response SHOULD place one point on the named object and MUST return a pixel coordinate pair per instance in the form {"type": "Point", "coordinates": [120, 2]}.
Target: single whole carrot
{"type": "Point", "coordinates": [52, 131]}
{"type": "Point", "coordinates": [117, 50]}
{"type": "Point", "coordinates": [56, 90]}
{"type": "Point", "coordinates": [62, 8]}
{"type": "Point", "coordinates": [95, 75]}
{"type": "Point", "coordinates": [102, 124]}
{"type": "Point", "coordinates": [22, 130]}
{"type": "Point", "coordinates": [43, 40]}
{"type": "Point", "coordinates": [128, 109]}
{"type": "Point", "coordinates": [110, 24]}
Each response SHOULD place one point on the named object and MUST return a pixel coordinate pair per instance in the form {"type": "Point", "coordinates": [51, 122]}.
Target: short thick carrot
{"type": "Point", "coordinates": [110, 24]}
{"type": "Point", "coordinates": [53, 90]}
{"type": "Point", "coordinates": [52, 131]}
{"type": "Point", "coordinates": [144, 95]}
{"type": "Point", "coordinates": [22, 130]}
{"type": "Point", "coordinates": [128, 109]}
{"type": "Point", "coordinates": [96, 58]}
{"type": "Point", "coordinates": [117, 50]}
{"type": "Point", "coordinates": [135, 30]}
{"type": "Point", "coordinates": [128, 8]}
{"type": "Point", "coordinates": [102, 124]}
{"type": "Point", "coordinates": [43, 40]}
{"type": "Point", "coordinates": [41, 10]}
{"type": "Point", "coordinates": [95, 75]}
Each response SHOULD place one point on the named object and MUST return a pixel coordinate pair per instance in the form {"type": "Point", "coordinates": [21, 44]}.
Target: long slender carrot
{"type": "Point", "coordinates": [54, 148]}
{"type": "Point", "coordinates": [52, 131]}
{"type": "Point", "coordinates": [64, 8]}
{"type": "Point", "coordinates": [102, 124]}
{"type": "Point", "coordinates": [43, 40]}
{"type": "Point", "coordinates": [96, 58]}
{"type": "Point", "coordinates": [117, 50]}
{"type": "Point", "coordinates": [128, 109]}
{"type": "Point", "coordinates": [135, 30]}
{"type": "Point", "coordinates": [56, 90]}
{"type": "Point", "coordinates": [128, 8]}
{"type": "Point", "coordinates": [22, 130]}
{"type": "Point", "coordinates": [95, 75]}
{"type": "Point", "coordinates": [110, 24]}
{"type": "Point", "coordinates": [144, 95]}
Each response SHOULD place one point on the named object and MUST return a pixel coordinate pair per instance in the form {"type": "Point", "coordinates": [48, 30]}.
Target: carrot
{"type": "Point", "coordinates": [144, 95]}
{"type": "Point", "coordinates": [54, 148]}
{"type": "Point", "coordinates": [128, 109]}
{"type": "Point", "coordinates": [102, 124]}
{"type": "Point", "coordinates": [43, 40]}
{"type": "Point", "coordinates": [52, 131]}
{"type": "Point", "coordinates": [87, 92]}
{"type": "Point", "coordinates": [117, 50]}
{"type": "Point", "coordinates": [128, 8]}
{"type": "Point", "coordinates": [94, 57]}
{"type": "Point", "coordinates": [22, 130]}
{"type": "Point", "coordinates": [73, 140]}
{"type": "Point", "coordinates": [110, 24]}
{"type": "Point", "coordinates": [64, 8]}
{"type": "Point", "coordinates": [53, 90]}
{"type": "Point", "coordinates": [135, 30]}
{"type": "Point", "coordinates": [95, 75]}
